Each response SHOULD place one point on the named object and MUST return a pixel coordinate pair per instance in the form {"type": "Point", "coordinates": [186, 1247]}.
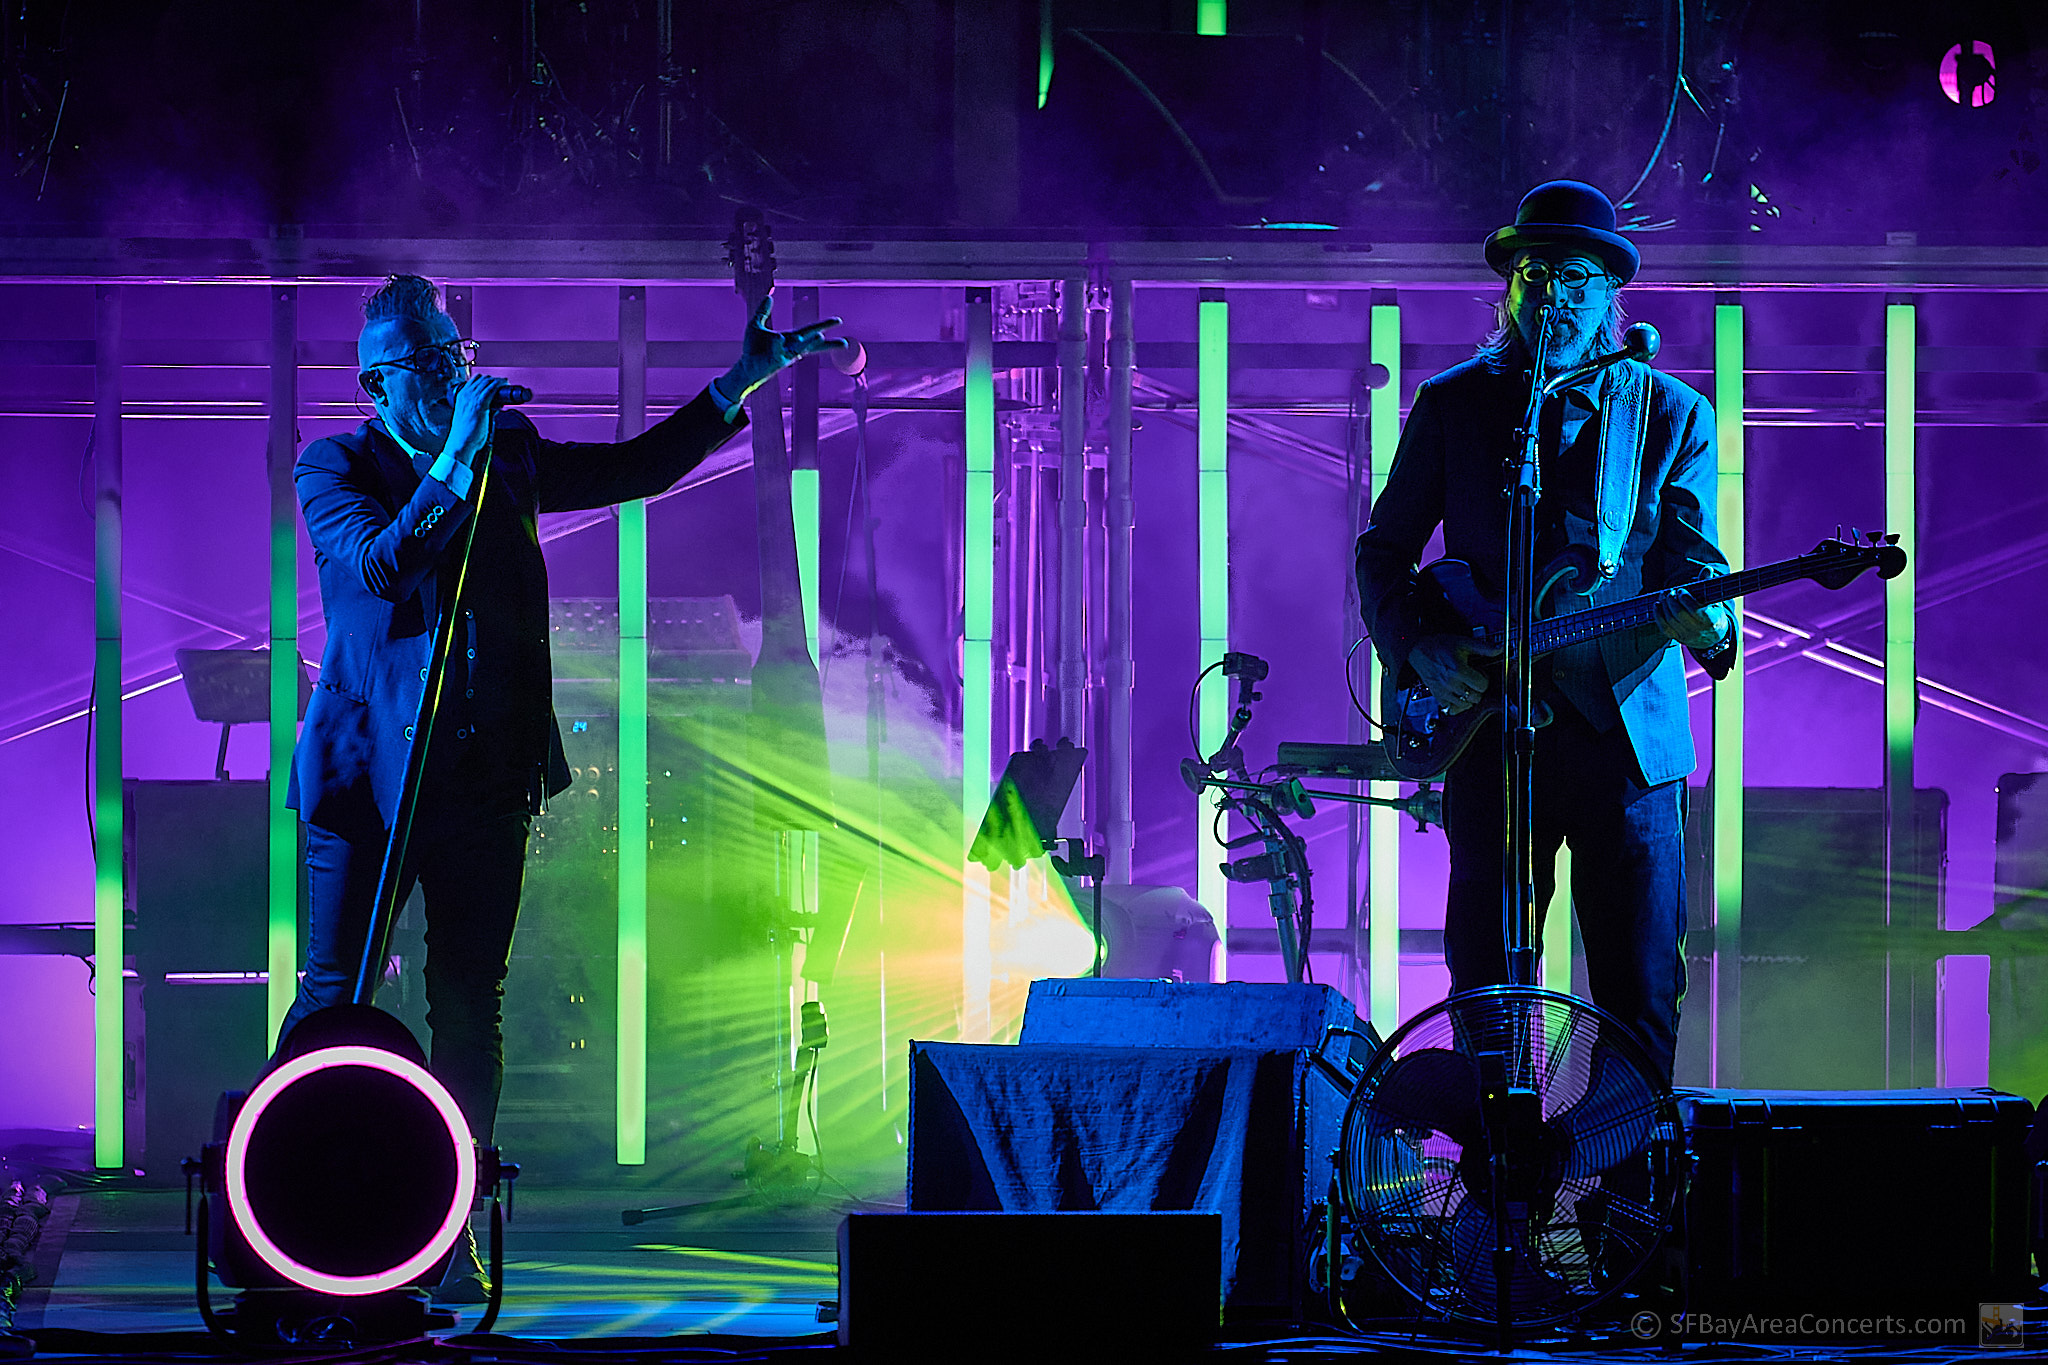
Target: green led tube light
{"type": "Point", "coordinates": [631, 1107]}
{"type": "Point", "coordinates": [1731, 525]}
{"type": "Point", "coordinates": [109, 1137]}
{"type": "Point", "coordinates": [1383, 823]}
{"type": "Point", "coordinates": [1212, 517]}
{"type": "Point", "coordinates": [977, 693]}
{"type": "Point", "coordinates": [1901, 681]}
{"type": "Point", "coordinates": [1901, 511]}
{"type": "Point", "coordinates": [281, 939]}
{"type": "Point", "coordinates": [803, 508]}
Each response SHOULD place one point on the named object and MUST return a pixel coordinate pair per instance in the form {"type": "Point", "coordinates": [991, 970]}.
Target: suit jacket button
{"type": "Point", "coordinates": [408, 732]}
{"type": "Point", "coordinates": [423, 675]}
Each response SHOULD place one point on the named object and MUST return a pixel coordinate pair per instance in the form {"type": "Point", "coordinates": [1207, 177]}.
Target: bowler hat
{"type": "Point", "coordinates": [1567, 212]}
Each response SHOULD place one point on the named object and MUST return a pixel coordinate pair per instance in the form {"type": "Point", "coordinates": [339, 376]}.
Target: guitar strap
{"type": "Point", "coordinates": [1624, 429]}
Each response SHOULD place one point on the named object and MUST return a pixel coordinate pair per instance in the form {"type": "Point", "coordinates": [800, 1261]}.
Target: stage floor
{"type": "Point", "coordinates": [119, 1261]}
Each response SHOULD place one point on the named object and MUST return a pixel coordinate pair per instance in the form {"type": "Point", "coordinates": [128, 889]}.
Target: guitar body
{"type": "Point", "coordinates": [1423, 739]}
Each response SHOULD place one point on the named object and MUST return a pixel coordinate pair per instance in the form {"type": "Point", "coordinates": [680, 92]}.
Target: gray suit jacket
{"type": "Point", "coordinates": [1653, 528]}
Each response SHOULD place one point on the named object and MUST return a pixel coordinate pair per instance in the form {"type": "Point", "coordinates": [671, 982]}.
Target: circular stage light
{"type": "Point", "coordinates": [350, 1170]}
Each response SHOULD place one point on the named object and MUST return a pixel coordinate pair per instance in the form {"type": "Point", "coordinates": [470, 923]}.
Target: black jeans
{"type": "Point", "coordinates": [1628, 871]}
{"type": "Point", "coordinates": [470, 864]}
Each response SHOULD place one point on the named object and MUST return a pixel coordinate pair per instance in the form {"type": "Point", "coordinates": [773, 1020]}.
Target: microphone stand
{"type": "Point", "coordinates": [1518, 674]}
{"type": "Point", "coordinates": [1510, 1109]}
{"type": "Point", "coordinates": [384, 909]}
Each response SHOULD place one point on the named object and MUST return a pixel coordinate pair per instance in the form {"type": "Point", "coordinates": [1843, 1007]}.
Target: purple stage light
{"type": "Point", "coordinates": [1969, 74]}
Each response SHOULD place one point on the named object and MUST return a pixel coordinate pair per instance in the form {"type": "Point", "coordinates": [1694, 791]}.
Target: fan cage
{"type": "Point", "coordinates": [1592, 1159]}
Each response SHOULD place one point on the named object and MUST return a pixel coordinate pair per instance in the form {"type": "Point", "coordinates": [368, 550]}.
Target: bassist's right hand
{"type": "Point", "coordinates": [1444, 664]}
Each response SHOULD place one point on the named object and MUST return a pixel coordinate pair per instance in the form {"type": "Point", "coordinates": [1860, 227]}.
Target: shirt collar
{"type": "Point", "coordinates": [419, 458]}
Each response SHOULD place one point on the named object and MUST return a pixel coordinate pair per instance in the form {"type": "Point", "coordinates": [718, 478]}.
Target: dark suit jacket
{"type": "Point", "coordinates": [385, 540]}
{"type": "Point", "coordinates": [1659, 530]}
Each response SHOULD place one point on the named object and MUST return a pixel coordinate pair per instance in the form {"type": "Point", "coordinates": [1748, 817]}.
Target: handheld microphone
{"type": "Point", "coordinates": [511, 394]}
{"type": "Point", "coordinates": [851, 359]}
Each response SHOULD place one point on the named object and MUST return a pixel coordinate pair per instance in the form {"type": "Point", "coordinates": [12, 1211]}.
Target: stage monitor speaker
{"type": "Point", "coordinates": [968, 1285]}
{"type": "Point", "coordinates": [1856, 1204]}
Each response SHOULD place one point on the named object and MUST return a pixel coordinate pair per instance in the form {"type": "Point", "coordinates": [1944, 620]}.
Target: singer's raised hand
{"type": "Point", "coordinates": [765, 352]}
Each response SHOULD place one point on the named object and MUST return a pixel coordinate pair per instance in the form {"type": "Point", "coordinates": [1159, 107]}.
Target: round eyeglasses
{"type": "Point", "coordinates": [1570, 277]}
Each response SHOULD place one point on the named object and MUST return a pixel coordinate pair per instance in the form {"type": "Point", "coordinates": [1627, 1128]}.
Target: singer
{"type": "Point", "coordinates": [385, 506]}
{"type": "Point", "coordinates": [1628, 478]}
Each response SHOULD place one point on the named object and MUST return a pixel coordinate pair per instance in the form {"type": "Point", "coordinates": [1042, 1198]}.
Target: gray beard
{"type": "Point", "coordinates": [1570, 350]}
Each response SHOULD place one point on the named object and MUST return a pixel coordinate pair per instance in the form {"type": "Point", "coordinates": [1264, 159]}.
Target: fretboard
{"type": "Point", "coordinates": [1631, 613]}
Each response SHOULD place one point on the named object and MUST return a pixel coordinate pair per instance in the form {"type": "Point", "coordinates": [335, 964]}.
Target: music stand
{"type": "Point", "coordinates": [1023, 817]}
{"type": "Point", "coordinates": [230, 687]}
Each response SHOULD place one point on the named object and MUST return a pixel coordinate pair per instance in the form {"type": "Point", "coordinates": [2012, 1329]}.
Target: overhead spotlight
{"type": "Point", "coordinates": [338, 1187]}
{"type": "Point", "coordinates": [1969, 74]}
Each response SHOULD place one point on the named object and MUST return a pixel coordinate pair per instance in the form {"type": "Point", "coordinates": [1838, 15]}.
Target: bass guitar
{"type": "Point", "coordinates": [1423, 739]}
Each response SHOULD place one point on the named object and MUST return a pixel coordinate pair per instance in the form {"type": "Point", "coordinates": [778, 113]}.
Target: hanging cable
{"type": "Point", "coordinates": [1670, 112]}
{"type": "Point", "coordinates": [1351, 686]}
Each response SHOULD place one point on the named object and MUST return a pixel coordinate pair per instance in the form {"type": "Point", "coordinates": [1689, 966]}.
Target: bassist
{"type": "Point", "coordinates": [1628, 465]}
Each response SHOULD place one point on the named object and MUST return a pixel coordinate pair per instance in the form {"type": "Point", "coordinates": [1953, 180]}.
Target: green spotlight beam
{"type": "Point", "coordinates": [1729, 729]}
{"type": "Point", "coordinates": [109, 1137]}
{"type": "Point", "coordinates": [1212, 517]}
{"type": "Point", "coordinates": [632, 784]}
{"type": "Point", "coordinates": [1045, 35]}
{"type": "Point", "coordinates": [977, 695]}
{"type": "Point", "coordinates": [1382, 823]}
{"type": "Point", "coordinates": [281, 939]}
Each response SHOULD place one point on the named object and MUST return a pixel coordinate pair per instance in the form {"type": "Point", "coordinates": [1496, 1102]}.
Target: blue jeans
{"type": "Point", "coordinates": [1628, 871]}
{"type": "Point", "coordinates": [470, 864]}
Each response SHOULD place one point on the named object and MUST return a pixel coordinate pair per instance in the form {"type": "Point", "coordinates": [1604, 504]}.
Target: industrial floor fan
{"type": "Point", "coordinates": [1510, 1159]}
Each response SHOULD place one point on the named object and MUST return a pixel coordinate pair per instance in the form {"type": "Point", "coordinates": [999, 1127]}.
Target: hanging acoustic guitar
{"type": "Point", "coordinates": [1423, 739]}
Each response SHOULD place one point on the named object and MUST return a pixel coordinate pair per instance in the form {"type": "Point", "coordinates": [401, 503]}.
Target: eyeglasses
{"type": "Point", "coordinates": [1571, 278]}
{"type": "Point", "coordinates": [436, 362]}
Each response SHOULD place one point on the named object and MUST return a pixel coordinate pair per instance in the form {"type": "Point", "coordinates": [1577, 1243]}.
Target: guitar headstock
{"type": "Point", "coordinates": [1840, 561]}
{"type": "Point", "coordinates": [750, 251]}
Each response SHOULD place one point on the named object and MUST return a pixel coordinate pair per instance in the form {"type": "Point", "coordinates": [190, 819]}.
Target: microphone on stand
{"type": "Point", "coordinates": [851, 359]}
{"type": "Point", "coordinates": [1640, 342]}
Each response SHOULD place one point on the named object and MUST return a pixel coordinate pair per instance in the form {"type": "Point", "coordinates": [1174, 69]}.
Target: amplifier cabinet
{"type": "Point", "coordinates": [1899, 1203]}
